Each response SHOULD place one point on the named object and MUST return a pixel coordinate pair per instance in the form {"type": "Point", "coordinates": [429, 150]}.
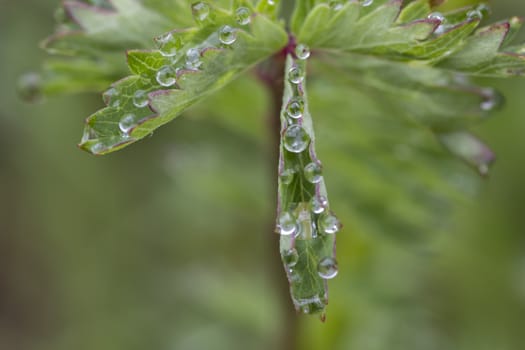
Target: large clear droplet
{"type": "Point", "coordinates": [166, 76]}
{"type": "Point", "coordinates": [140, 99]}
{"type": "Point", "coordinates": [302, 51]}
{"type": "Point", "coordinates": [168, 45]}
{"type": "Point", "coordinates": [328, 223]}
{"type": "Point", "coordinates": [318, 204]}
{"type": "Point", "coordinates": [296, 75]}
{"type": "Point", "coordinates": [327, 268]}
{"type": "Point", "coordinates": [227, 35]}
{"type": "Point", "coordinates": [296, 139]}
{"type": "Point", "coordinates": [290, 257]}
{"type": "Point", "coordinates": [193, 59]}
{"type": "Point", "coordinates": [313, 172]}
{"type": "Point", "coordinates": [201, 11]}
{"type": "Point", "coordinates": [295, 107]}
{"type": "Point", "coordinates": [287, 224]}
{"type": "Point", "coordinates": [127, 123]}
{"type": "Point", "coordinates": [286, 177]}
{"type": "Point", "coordinates": [243, 16]}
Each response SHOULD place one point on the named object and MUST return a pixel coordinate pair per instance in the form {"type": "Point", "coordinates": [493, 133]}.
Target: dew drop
{"type": "Point", "coordinates": [97, 148]}
{"type": "Point", "coordinates": [140, 99]}
{"type": "Point", "coordinates": [328, 223]}
{"type": "Point", "coordinates": [296, 139]}
{"type": "Point", "coordinates": [290, 257]}
{"type": "Point", "coordinates": [30, 87]}
{"type": "Point", "coordinates": [366, 3]}
{"type": "Point", "coordinates": [287, 224]}
{"type": "Point", "coordinates": [491, 100]}
{"type": "Point", "coordinates": [313, 172]}
{"type": "Point", "coordinates": [227, 35]}
{"type": "Point", "coordinates": [166, 76]}
{"type": "Point", "coordinates": [295, 108]}
{"type": "Point", "coordinates": [243, 16]}
{"type": "Point", "coordinates": [475, 15]}
{"type": "Point", "coordinates": [437, 16]}
{"type": "Point", "coordinates": [200, 11]}
{"type": "Point", "coordinates": [127, 123]}
{"type": "Point", "coordinates": [302, 51]}
{"type": "Point", "coordinates": [168, 45]}
{"type": "Point", "coordinates": [295, 75]}
{"type": "Point", "coordinates": [327, 268]}
{"type": "Point", "coordinates": [318, 204]}
{"type": "Point", "coordinates": [271, 2]}
{"type": "Point", "coordinates": [484, 9]}
{"type": "Point", "coordinates": [336, 5]}
{"type": "Point", "coordinates": [286, 177]}
{"type": "Point", "coordinates": [193, 59]}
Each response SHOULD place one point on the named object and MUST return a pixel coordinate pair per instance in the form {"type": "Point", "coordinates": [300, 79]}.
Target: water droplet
{"type": "Point", "coordinates": [318, 204]}
{"type": "Point", "coordinates": [366, 3]}
{"type": "Point", "coordinates": [30, 87]}
{"type": "Point", "coordinates": [328, 223]}
{"type": "Point", "coordinates": [111, 97]}
{"type": "Point", "coordinates": [474, 15]}
{"type": "Point", "coordinates": [97, 148]}
{"type": "Point", "coordinates": [484, 9]}
{"type": "Point", "coordinates": [227, 35]}
{"type": "Point", "coordinates": [166, 76]}
{"type": "Point", "coordinates": [302, 51]}
{"type": "Point", "coordinates": [140, 99]}
{"type": "Point", "coordinates": [168, 45]}
{"type": "Point", "coordinates": [296, 139]}
{"type": "Point", "coordinates": [327, 268]}
{"type": "Point", "coordinates": [200, 11]}
{"type": "Point", "coordinates": [491, 100]}
{"type": "Point", "coordinates": [290, 257]}
{"type": "Point", "coordinates": [287, 224]}
{"type": "Point", "coordinates": [313, 172]}
{"type": "Point", "coordinates": [295, 75]}
{"type": "Point", "coordinates": [127, 123]}
{"type": "Point", "coordinates": [336, 5]}
{"type": "Point", "coordinates": [193, 59]}
{"type": "Point", "coordinates": [437, 16]}
{"type": "Point", "coordinates": [295, 108]}
{"type": "Point", "coordinates": [243, 16]}
{"type": "Point", "coordinates": [271, 2]}
{"type": "Point", "coordinates": [287, 176]}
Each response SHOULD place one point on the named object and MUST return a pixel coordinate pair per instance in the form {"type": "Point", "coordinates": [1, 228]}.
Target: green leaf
{"type": "Point", "coordinates": [189, 79]}
{"type": "Point", "coordinates": [304, 219]}
{"type": "Point", "coordinates": [388, 31]}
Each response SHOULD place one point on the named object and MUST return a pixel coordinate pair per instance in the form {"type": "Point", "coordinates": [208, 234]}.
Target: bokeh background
{"type": "Point", "coordinates": [168, 244]}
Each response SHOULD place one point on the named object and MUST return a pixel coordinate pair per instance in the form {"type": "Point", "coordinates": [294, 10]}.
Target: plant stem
{"type": "Point", "coordinates": [271, 73]}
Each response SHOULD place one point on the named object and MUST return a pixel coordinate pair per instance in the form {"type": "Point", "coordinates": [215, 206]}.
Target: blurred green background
{"type": "Point", "coordinates": [168, 244]}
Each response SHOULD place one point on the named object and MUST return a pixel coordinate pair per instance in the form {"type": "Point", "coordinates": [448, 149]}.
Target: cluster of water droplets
{"type": "Point", "coordinates": [300, 170]}
{"type": "Point", "coordinates": [179, 58]}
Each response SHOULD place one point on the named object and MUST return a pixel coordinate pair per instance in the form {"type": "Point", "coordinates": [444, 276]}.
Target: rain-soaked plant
{"type": "Point", "coordinates": [414, 61]}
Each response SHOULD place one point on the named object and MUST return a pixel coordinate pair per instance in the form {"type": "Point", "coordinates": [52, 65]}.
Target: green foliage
{"type": "Point", "coordinates": [414, 63]}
